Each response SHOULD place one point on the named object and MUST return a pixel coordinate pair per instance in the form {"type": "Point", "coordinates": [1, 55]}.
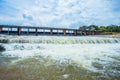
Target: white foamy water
{"type": "Point", "coordinates": [59, 40]}
{"type": "Point", "coordinates": [104, 51]}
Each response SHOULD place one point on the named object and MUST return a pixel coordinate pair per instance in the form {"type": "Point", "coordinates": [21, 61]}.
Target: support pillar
{"type": "Point", "coordinates": [0, 29]}
{"type": "Point", "coordinates": [43, 31]}
{"type": "Point", "coordinates": [19, 31]}
{"type": "Point", "coordinates": [11, 29]}
{"type": "Point", "coordinates": [75, 32]}
{"type": "Point", "coordinates": [84, 33]}
{"type": "Point", "coordinates": [64, 32]}
{"type": "Point", "coordinates": [92, 33]}
{"type": "Point", "coordinates": [70, 33]}
{"type": "Point", "coordinates": [8, 31]}
{"type": "Point", "coordinates": [51, 31]}
{"type": "Point", "coordinates": [57, 32]}
{"type": "Point", "coordinates": [36, 31]}
{"type": "Point", "coordinates": [28, 31]}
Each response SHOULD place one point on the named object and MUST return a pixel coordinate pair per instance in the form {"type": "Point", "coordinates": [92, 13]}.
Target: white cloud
{"type": "Point", "coordinates": [64, 12]}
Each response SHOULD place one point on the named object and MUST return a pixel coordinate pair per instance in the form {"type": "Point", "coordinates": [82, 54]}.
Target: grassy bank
{"type": "Point", "coordinates": [110, 33]}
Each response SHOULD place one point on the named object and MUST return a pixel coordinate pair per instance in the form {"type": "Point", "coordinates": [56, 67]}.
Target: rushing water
{"type": "Point", "coordinates": [60, 58]}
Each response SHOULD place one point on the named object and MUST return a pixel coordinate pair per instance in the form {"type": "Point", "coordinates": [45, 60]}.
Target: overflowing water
{"type": "Point", "coordinates": [60, 58]}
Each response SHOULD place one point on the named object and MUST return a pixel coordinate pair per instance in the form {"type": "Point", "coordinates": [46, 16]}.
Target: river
{"type": "Point", "coordinates": [59, 58]}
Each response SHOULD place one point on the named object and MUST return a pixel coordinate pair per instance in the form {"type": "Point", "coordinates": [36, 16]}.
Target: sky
{"type": "Point", "coordinates": [60, 13]}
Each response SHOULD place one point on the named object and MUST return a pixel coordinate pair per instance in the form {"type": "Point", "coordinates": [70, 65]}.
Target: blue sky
{"type": "Point", "coordinates": [60, 13]}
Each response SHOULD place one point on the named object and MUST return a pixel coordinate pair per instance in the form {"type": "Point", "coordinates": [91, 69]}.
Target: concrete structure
{"type": "Point", "coordinates": [36, 30]}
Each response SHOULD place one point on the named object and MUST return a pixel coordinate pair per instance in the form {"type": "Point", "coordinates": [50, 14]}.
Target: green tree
{"type": "Point", "coordinates": [93, 28]}
{"type": "Point", "coordinates": [102, 28]}
{"type": "Point", "coordinates": [83, 28]}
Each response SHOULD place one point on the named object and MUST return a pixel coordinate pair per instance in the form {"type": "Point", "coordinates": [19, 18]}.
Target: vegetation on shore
{"type": "Point", "coordinates": [111, 29]}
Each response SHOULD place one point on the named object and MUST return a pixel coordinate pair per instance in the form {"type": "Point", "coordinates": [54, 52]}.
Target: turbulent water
{"type": "Point", "coordinates": [60, 58]}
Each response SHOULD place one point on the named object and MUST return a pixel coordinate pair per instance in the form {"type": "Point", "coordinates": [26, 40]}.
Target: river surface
{"type": "Point", "coordinates": [59, 58]}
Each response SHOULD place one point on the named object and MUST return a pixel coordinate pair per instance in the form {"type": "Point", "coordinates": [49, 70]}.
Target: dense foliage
{"type": "Point", "coordinates": [110, 28]}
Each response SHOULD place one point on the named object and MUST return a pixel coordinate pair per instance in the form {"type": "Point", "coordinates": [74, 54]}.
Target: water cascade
{"type": "Point", "coordinates": [95, 57]}
{"type": "Point", "coordinates": [60, 40]}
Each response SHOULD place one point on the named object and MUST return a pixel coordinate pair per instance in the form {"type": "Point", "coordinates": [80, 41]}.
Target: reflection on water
{"type": "Point", "coordinates": [31, 61]}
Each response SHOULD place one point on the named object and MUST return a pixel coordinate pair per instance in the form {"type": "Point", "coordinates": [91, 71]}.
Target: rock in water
{"type": "Point", "coordinates": [2, 48]}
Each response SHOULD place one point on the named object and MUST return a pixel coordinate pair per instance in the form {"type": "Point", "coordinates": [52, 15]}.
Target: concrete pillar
{"type": "Point", "coordinates": [64, 32]}
{"type": "Point", "coordinates": [36, 31]}
{"type": "Point", "coordinates": [89, 33]}
{"type": "Point", "coordinates": [0, 29]}
{"type": "Point", "coordinates": [11, 29]}
{"type": "Point", "coordinates": [28, 31]}
{"type": "Point", "coordinates": [93, 33]}
{"type": "Point", "coordinates": [51, 31]}
{"type": "Point", "coordinates": [70, 32]}
{"type": "Point", "coordinates": [8, 31]}
{"type": "Point", "coordinates": [84, 33]}
{"type": "Point", "coordinates": [57, 32]}
{"type": "Point", "coordinates": [43, 31]}
{"type": "Point", "coordinates": [19, 31]}
{"type": "Point", "coordinates": [75, 32]}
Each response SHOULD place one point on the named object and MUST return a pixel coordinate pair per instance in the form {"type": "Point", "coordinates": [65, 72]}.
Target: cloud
{"type": "Point", "coordinates": [61, 13]}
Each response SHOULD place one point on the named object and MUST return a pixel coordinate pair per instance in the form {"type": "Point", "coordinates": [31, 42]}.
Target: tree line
{"type": "Point", "coordinates": [110, 28]}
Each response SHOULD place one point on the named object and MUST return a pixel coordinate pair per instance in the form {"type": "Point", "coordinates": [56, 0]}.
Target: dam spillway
{"type": "Point", "coordinates": [59, 57]}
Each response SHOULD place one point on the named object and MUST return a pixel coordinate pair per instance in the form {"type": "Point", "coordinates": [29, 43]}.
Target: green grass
{"type": "Point", "coordinates": [109, 33]}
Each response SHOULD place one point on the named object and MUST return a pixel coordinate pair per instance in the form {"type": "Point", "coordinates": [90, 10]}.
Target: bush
{"type": "Point", "coordinates": [109, 33]}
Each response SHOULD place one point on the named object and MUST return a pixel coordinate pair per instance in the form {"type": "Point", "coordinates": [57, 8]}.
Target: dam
{"type": "Point", "coordinates": [27, 30]}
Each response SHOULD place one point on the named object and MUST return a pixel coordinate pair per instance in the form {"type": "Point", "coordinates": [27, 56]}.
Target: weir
{"type": "Point", "coordinates": [77, 56]}
{"type": "Point", "coordinates": [58, 40]}
{"type": "Point", "coordinates": [19, 30]}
